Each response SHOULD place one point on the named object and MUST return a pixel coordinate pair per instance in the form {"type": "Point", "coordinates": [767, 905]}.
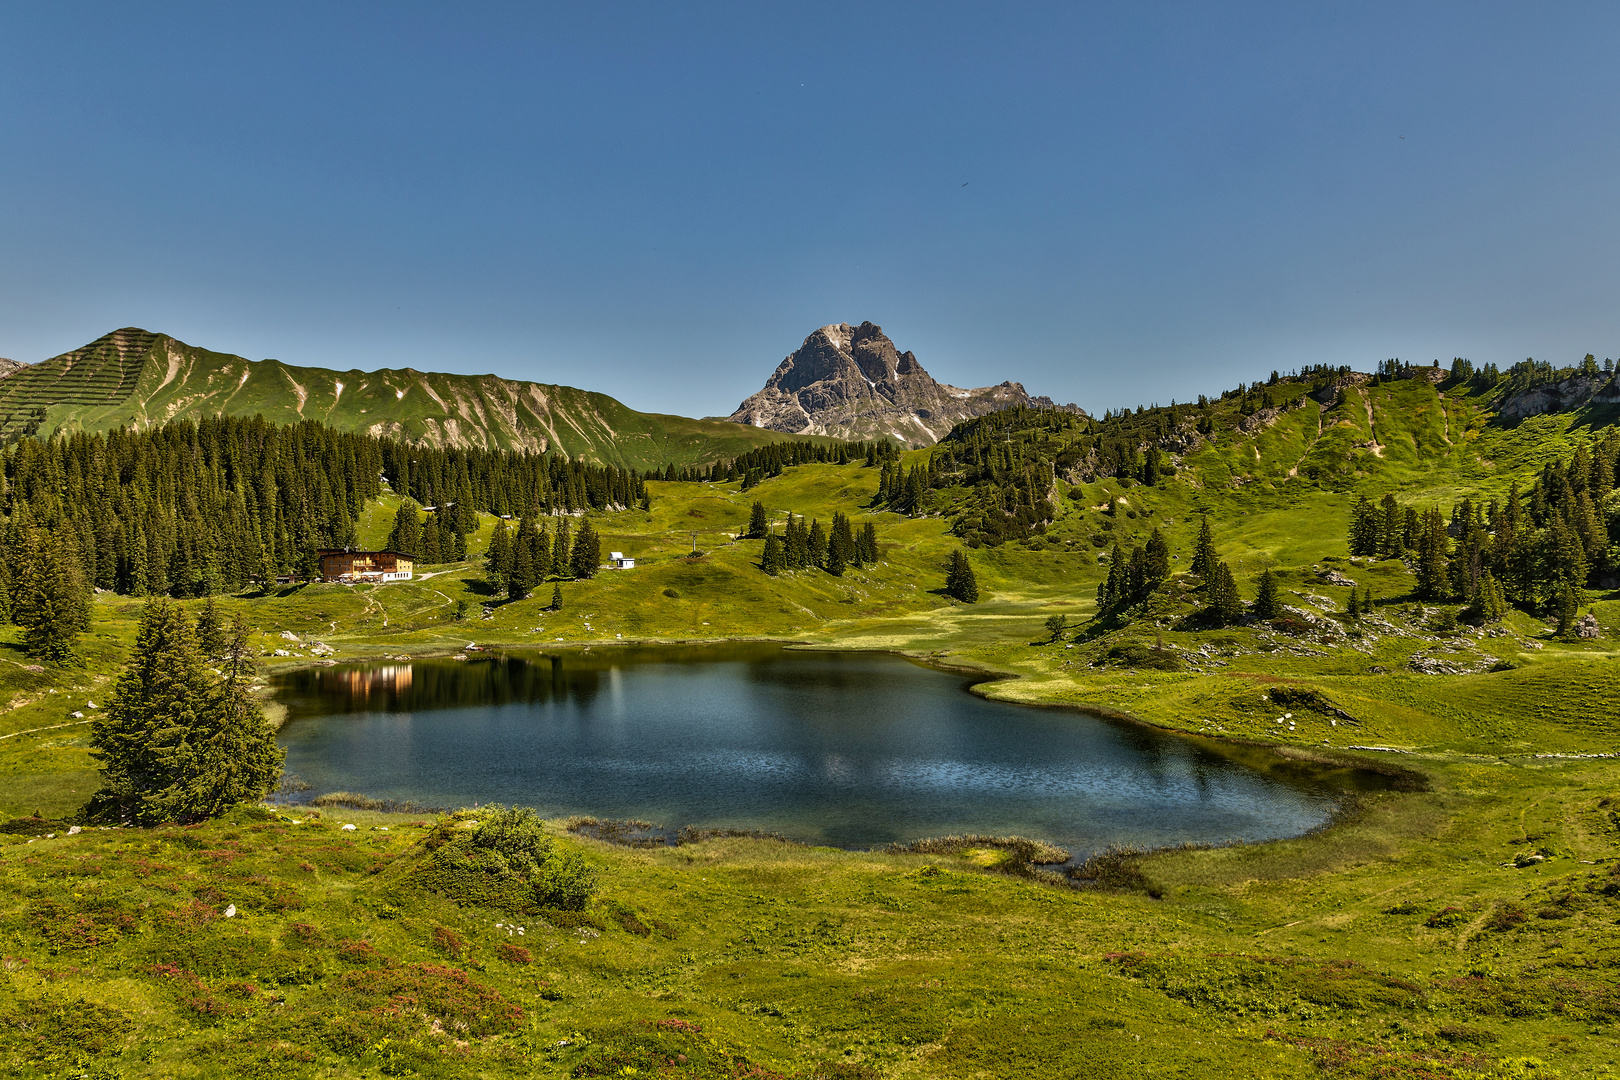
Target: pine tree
{"type": "Point", "coordinates": [236, 756]}
{"type": "Point", "coordinates": [1225, 605]}
{"type": "Point", "coordinates": [521, 579]}
{"type": "Point", "coordinates": [561, 550]}
{"type": "Point", "coordinates": [960, 581]}
{"type": "Point", "coordinates": [770, 560]}
{"type": "Point", "coordinates": [406, 535]}
{"type": "Point", "coordinates": [868, 545]}
{"type": "Point", "coordinates": [1115, 588]}
{"type": "Point", "coordinates": [816, 543]}
{"type": "Point", "coordinates": [1267, 604]}
{"type": "Point", "coordinates": [143, 735]}
{"type": "Point", "coordinates": [211, 639]}
{"type": "Point", "coordinates": [1352, 607]}
{"type": "Point", "coordinates": [498, 559]}
{"type": "Point", "coordinates": [1204, 559]}
{"type": "Point", "coordinates": [1157, 570]}
{"type": "Point", "coordinates": [1367, 601]}
{"type": "Point", "coordinates": [587, 555]}
{"type": "Point", "coordinates": [756, 521]}
{"type": "Point", "coordinates": [556, 598]}
{"type": "Point", "coordinates": [1566, 605]}
{"type": "Point", "coordinates": [48, 600]}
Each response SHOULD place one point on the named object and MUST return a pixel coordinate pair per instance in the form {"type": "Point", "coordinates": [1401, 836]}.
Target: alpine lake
{"type": "Point", "coordinates": [847, 749]}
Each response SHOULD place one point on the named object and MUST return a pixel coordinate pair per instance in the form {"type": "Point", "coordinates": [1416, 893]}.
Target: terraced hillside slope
{"type": "Point", "coordinates": [134, 378]}
{"type": "Point", "coordinates": [851, 382]}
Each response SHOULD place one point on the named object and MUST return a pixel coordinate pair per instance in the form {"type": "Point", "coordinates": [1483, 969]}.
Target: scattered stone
{"type": "Point", "coordinates": [1586, 627]}
{"type": "Point", "coordinates": [1331, 576]}
{"type": "Point", "coordinates": [348, 828]}
{"type": "Point", "coordinates": [75, 830]}
{"type": "Point", "coordinates": [289, 635]}
{"type": "Point", "coordinates": [230, 912]}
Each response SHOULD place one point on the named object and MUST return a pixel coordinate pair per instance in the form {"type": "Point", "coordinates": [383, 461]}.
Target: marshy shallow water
{"type": "Point", "coordinates": [850, 749]}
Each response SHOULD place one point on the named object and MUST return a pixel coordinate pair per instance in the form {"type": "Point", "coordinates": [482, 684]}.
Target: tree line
{"type": "Point", "coordinates": [188, 509]}
{"type": "Point", "coordinates": [1540, 548]}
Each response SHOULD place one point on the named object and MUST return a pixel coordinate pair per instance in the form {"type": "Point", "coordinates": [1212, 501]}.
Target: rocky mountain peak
{"type": "Point", "coordinates": [852, 382]}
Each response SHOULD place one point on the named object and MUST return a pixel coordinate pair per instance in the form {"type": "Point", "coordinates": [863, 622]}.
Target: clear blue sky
{"type": "Point", "coordinates": [660, 201]}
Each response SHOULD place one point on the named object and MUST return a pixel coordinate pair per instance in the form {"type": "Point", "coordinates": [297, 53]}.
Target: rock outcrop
{"type": "Point", "coordinates": [852, 383]}
{"type": "Point", "coordinates": [9, 366]}
{"type": "Point", "coordinates": [1575, 392]}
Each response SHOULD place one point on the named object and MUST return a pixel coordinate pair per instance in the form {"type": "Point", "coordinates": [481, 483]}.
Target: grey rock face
{"type": "Point", "coordinates": [852, 383]}
{"type": "Point", "coordinates": [8, 367]}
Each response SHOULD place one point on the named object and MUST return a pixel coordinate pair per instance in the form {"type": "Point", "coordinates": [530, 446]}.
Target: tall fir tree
{"type": "Point", "coordinates": [498, 558]}
{"type": "Point", "coordinates": [1204, 558]}
{"type": "Point", "coordinates": [48, 600]}
{"type": "Point", "coordinates": [960, 581]}
{"type": "Point", "coordinates": [586, 558]}
{"type": "Point", "coordinates": [770, 560]}
{"type": "Point", "coordinates": [211, 631]}
{"type": "Point", "coordinates": [143, 736]}
{"type": "Point", "coordinates": [1267, 604]}
{"type": "Point", "coordinates": [756, 521]}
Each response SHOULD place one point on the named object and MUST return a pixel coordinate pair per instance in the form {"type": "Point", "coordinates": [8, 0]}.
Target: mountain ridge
{"type": "Point", "coordinates": [133, 377]}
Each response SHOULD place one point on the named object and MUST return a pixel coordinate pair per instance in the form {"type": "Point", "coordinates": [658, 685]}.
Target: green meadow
{"type": "Point", "coordinates": [1460, 920]}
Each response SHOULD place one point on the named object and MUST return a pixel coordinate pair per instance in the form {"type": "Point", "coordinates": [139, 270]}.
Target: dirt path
{"type": "Point", "coordinates": [1321, 414]}
{"type": "Point", "coordinates": [1372, 428]}
{"type": "Point", "coordinates": [1445, 417]}
{"type": "Point", "coordinates": [52, 727]}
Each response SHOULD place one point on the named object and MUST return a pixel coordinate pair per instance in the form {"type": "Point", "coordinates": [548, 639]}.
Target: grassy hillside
{"type": "Point", "coordinates": [1458, 927]}
{"type": "Point", "coordinates": [134, 378]}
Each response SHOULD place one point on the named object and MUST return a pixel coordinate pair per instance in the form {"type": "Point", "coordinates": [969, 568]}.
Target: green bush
{"type": "Point", "coordinates": [506, 862]}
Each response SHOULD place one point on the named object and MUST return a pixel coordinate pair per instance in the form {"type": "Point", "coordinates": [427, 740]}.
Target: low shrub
{"type": "Point", "coordinates": [1118, 869]}
{"type": "Point", "coordinates": [506, 862]}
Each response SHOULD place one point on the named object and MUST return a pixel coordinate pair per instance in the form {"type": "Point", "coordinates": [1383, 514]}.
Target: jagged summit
{"type": "Point", "coordinates": [7, 367]}
{"type": "Point", "coordinates": [851, 382]}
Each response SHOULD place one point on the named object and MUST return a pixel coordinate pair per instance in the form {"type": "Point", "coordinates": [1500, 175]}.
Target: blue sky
{"type": "Point", "coordinates": [1114, 204]}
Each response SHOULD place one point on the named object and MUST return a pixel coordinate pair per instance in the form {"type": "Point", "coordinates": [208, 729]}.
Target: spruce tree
{"type": "Point", "coordinates": [143, 735]}
{"type": "Point", "coordinates": [48, 601]}
{"type": "Point", "coordinates": [1204, 558]}
{"type": "Point", "coordinates": [556, 598]}
{"type": "Point", "coordinates": [1157, 570]}
{"type": "Point", "coordinates": [587, 555]}
{"type": "Point", "coordinates": [770, 559]}
{"type": "Point", "coordinates": [498, 559]}
{"type": "Point", "coordinates": [1352, 606]}
{"type": "Point", "coordinates": [521, 579]}
{"type": "Point", "coordinates": [960, 581]}
{"type": "Point", "coordinates": [211, 639]}
{"type": "Point", "coordinates": [562, 550]}
{"type": "Point", "coordinates": [868, 554]}
{"type": "Point", "coordinates": [236, 756]}
{"type": "Point", "coordinates": [1225, 605]}
{"type": "Point", "coordinates": [1267, 604]}
{"type": "Point", "coordinates": [406, 535]}
{"type": "Point", "coordinates": [756, 521]}
{"type": "Point", "coordinates": [816, 543]}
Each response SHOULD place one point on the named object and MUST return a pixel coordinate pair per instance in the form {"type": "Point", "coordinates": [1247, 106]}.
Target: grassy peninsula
{"type": "Point", "coordinates": [1461, 926]}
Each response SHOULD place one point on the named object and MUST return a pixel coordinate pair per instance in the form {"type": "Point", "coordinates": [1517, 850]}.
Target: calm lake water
{"type": "Point", "coordinates": [849, 749]}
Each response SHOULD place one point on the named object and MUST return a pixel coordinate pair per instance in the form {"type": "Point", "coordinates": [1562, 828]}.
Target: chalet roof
{"type": "Point", "coordinates": [323, 552]}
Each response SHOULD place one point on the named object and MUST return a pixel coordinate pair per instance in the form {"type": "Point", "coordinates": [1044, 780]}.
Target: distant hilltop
{"type": "Point", "coordinates": [137, 378]}
{"type": "Point", "coordinates": [8, 367]}
{"type": "Point", "coordinates": [851, 382]}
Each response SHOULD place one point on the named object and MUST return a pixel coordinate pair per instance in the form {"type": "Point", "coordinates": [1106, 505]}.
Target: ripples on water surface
{"type": "Point", "coordinates": [849, 749]}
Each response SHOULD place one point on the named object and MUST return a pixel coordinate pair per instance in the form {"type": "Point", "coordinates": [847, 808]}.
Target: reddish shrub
{"type": "Point", "coordinates": [514, 954]}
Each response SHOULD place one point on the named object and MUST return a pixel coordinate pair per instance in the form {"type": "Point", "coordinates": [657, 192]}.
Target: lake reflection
{"type": "Point", "coordinates": [850, 749]}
